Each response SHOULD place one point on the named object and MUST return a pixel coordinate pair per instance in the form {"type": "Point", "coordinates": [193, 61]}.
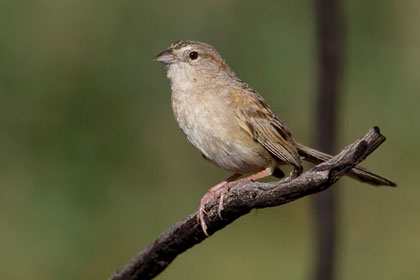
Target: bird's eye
{"type": "Point", "coordinates": [193, 55]}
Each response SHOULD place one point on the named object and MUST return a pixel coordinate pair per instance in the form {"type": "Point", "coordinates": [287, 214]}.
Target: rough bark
{"type": "Point", "coordinates": [239, 201]}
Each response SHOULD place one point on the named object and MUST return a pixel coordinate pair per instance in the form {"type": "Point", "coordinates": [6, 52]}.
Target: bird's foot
{"type": "Point", "coordinates": [293, 175]}
{"type": "Point", "coordinates": [220, 189]}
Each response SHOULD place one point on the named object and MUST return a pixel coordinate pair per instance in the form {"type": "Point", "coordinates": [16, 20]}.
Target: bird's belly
{"type": "Point", "coordinates": [233, 155]}
{"type": "Point", "coordinates": [214, 131]}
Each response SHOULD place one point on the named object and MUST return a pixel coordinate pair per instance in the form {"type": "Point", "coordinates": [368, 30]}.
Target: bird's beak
{"type": "Point", "coordinates": [167, 57]}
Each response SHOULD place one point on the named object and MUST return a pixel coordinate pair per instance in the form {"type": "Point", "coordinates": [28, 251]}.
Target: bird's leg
{"type": "Point", "coordinates": [223, 188]}
{"type": "Point", "coordinates": [265, 173]}
{"type": "Point", "coordinates": [262, 174]}
{"type": "Point", "coordinates": [208, 196]}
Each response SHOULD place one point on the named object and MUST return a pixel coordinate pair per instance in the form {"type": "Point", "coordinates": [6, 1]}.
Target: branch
{"type": "Point", "coordinates": [240, 200]}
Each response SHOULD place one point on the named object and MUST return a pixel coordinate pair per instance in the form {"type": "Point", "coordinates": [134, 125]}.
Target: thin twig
{"type": "Point", "coordinates": [241, 200]}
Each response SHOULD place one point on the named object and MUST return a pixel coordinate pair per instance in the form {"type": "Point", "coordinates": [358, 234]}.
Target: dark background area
{"type": "Point", "coordinates": [94, 166]}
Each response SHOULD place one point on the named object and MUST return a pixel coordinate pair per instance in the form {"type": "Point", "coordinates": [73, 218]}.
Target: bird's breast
{"type": "Point", "coordinates": [208, 119]}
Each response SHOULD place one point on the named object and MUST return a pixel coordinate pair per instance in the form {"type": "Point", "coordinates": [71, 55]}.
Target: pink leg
{"type": "Point", "coordinates": [265, 173]}
{"type": "Point", "coordinates": [208, 196]}
{"type": "Point", "coordinates": [223, 188]}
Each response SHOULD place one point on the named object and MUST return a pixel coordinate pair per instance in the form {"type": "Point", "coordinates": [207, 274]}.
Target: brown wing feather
{"type": "Point", "coordinates": [255, 116]}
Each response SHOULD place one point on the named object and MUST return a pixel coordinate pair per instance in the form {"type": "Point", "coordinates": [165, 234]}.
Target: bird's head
{"type": "Point", "coordinates": [193, 61]}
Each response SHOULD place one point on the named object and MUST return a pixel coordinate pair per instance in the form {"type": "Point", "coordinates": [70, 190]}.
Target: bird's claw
{"type": "Point", "coordinates": [220, 190]}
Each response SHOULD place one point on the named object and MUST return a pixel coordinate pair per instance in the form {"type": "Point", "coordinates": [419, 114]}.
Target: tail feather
{"type": "Point", "coordinates": [357, 173]}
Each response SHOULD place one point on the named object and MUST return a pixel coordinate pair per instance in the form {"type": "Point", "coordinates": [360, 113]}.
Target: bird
{"type": "Point", "coordinates": [231, 124]}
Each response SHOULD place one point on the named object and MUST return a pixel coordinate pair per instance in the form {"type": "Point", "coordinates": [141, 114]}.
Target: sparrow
{"type": "Point", "coordinates": [231, 124]}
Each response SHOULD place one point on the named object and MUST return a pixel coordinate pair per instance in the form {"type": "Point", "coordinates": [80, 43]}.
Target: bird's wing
{"type": "Point", "coordinates": [255, 116]}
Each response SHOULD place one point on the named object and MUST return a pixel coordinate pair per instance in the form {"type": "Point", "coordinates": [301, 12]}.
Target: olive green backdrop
{"type": "Point", "coordinates": [93, 166]}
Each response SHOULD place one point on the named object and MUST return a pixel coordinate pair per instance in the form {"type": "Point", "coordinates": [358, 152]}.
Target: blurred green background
{"type": "Point", "coordinates": [94, 166]}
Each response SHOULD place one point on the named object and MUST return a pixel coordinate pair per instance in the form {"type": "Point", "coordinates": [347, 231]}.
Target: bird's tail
{"type": "Point", "coordinates": [357, 173]}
